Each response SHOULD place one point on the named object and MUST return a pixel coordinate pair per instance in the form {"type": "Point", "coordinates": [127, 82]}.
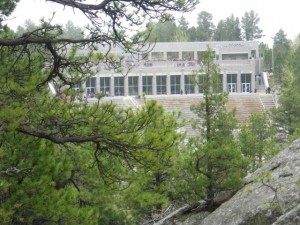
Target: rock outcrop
{"type": "Point", "coordinates": [271, 195]}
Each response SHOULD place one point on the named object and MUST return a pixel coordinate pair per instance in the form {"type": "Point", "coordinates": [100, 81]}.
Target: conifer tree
{"type": "Point", "coordinates": [257, 140]}
{"type": "Point", "coordinates": [287, 114]}
{"type": "Point", "coordinates": [57, 155]}
{"type": "Point", "coordinates": [216, 156]}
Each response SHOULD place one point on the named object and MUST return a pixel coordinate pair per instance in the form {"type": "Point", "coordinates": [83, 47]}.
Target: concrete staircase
{"type": "Point", "coordinates": [182, 104]}
{"type": "Point", "coordinates": [267, 101]}
{"type": "Point", "coordinates": [244, 103]}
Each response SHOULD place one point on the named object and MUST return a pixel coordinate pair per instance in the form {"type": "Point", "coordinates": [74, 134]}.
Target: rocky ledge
{"type": "Point", "coordinates": [270, 196]}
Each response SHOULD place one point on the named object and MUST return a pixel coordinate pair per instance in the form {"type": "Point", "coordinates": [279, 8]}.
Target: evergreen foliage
{"type": "Point", "coordinates": [287, 114]}
{"type": "Point", "coordinates": [257, 140]}
{"type": "Point", "coordinates": [6, 8]}
{"type": "Point", "coordinates": [63, 161]}
{"type": "Point", "coordinates": [228, 30]}
{"type": "Point", "coordinates": [250, 21]}
{"type": "Point", "coordinates": [215, 154]}
{"type": "Point", "coordinates": [281, 54]}
{"type": "Point", "coordinates": [205, 26]}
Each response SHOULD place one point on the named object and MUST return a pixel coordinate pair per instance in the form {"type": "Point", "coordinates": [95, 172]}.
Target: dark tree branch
{"type": "Point", "coordinates": [31, 39]}
{"type": "Point", "coordinates": [13, 171]}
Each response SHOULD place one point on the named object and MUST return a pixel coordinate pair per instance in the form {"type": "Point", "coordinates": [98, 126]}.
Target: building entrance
{"type": "Point", "coordinates": [246, 87]}
{"type": "Point", "coordinates": [232, 87]}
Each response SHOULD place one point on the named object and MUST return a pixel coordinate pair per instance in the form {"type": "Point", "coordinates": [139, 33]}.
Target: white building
{"type": "Point", "coordinates": [166, 70]}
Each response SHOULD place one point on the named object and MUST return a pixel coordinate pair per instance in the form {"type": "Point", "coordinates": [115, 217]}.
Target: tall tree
{"type": "Point", "coordinates": [228, 30]}
{"type": "Point", "coordinates": [193, 34]}
{"type": "Point", "coordinates": [266, 53]}
{"type": "Point", "coordinates": [183, 24]}
{"type": "Point", "coordinates": [28, 26]}
{"type": "Point", "coordinates": [281, 54]}
{"type": "Point", "coordinates": [180, 36]}
{"type": "Point", "coordinates": [257, 140]}
{"type": "Point", "coordinates": [53, 149]}
{"type": "Point", "coordinates": [217, 158]}
{"type": "Point", "coordinates": [71, 31]}
{"type": "Point", "coordinates": [287, 114]}
{"type": "Point", "coordinates": [163, 31]}
{"type": "Point", "coordinates": [205, 26]}
{"type": "Point", "coordinates": [251, 30]}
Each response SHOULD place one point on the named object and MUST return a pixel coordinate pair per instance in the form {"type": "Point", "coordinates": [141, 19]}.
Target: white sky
{"type": "Point", "coordinates": [273, 14]}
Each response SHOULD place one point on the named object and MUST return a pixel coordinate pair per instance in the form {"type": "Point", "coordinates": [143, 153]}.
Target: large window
{"type": "Point", "coordinates": [133, 85]}
{"type": "Point", "coordinates": [175, 84]}
{"type": "Point", "coordinates": [246, 82]}
{"type": "Point", "coordinates": [147, 85]}
{"type": "Point", "coordinates": [232, 78]}
{"type": "Point", "coordinates": [105, 85]}
{"type": "Point", "coordinates": [161, 85]}
{"type": "Point", "coordinates": [232, 82]}
{"type": "Point", "coordinates": [91, 86]}
{"type": "Point", "coordinates": [246, 78]}
{"type": "Point", "coordinates": [235, 56]}
{"type": "Point", "coordinates": [119, 86]}
{"type": "Point", "coordinates": [189, 84]}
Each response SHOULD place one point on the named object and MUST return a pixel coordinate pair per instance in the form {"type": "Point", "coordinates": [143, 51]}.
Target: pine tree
{"type": "Point", "coordinates": [217, 158]}
{"type": "Point", "coordinates": [287, 114]}
{"type": "Point", "coordinates": [257, 140]}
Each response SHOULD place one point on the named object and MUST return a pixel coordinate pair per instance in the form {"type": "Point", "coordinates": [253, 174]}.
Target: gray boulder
{"type": "Point", "coordinates": [271, 195]}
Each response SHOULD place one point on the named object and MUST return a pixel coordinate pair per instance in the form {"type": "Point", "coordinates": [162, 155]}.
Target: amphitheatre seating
{"type": "Point", "coordinates": [244, 103]}
{"type": "Point", "coordinates": [180, 103]}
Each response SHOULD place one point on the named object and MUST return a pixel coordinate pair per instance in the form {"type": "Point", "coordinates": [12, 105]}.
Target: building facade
{"type": "Point", "coordinates": [167, 69]}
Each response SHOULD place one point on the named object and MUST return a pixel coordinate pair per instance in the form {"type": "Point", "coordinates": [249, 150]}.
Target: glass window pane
{"type": "Point", "coordinates": [161, 85]}
{"type": "Point", "coordinates": [119, 86]}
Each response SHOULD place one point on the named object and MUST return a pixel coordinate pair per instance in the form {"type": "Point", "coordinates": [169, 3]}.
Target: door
{"type": "Point", "coordinates": [246, 87]}
{"type": "Point", "coordinates": [231, 87]}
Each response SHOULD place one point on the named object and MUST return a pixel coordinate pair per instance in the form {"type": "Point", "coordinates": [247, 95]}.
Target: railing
{"type": "Point", "coordinates": [265, 78]}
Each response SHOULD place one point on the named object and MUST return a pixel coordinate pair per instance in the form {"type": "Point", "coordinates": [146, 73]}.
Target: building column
{"type": "Point", "coordinates": [253, 69]}
{"type": "Point", "coordinates": [83, 86]}
{"type": "Point", "coordinates": [239, 85]}
{"type": "Point", "coordinates": [97, 84]}
{"type": "Point", "coordinates": [126, 85]}
{"type": "Point", "coordinates": [182, 86]}
{"type": "Point", "coordinates": [140, 85]}
{"type": "Point", "coordinates": [180, 54]}
{"type": "Point", "coordinates": [112, 86]}
{"type": "Point", "coordinates": [224, 81]}
{"type": "Point", "coordinates": [168, 84]}
{"type": "Point", "coordinates": [165, 56]}
{"type": "Point", "coordinates": [154, 84]}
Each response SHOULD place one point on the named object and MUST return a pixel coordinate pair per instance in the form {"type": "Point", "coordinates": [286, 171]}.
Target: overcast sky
{"type": "Point", "coordinates": [274, 14]}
